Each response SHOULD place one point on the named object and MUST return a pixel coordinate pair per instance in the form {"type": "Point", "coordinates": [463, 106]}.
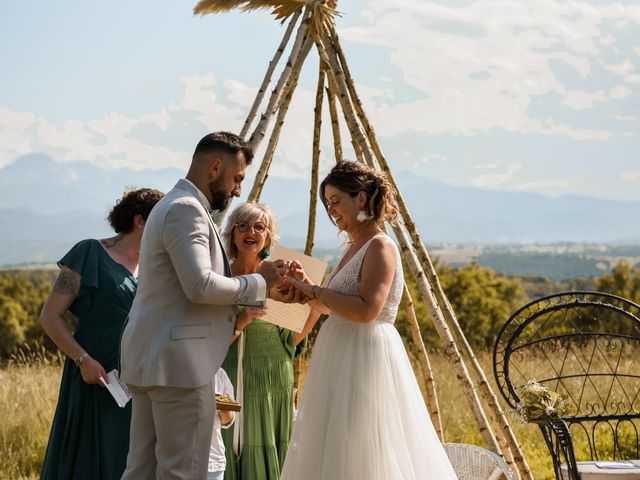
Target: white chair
{"type": "Point", "coordinates": [476, 463]}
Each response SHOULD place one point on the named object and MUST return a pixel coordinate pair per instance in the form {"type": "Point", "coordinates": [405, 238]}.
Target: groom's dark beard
{"type": "Point", "coordinates": [219, 198]}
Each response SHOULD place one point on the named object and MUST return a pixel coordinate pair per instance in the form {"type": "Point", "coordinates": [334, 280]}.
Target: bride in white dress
{"type": "Point", "coordinates": [362, 415]}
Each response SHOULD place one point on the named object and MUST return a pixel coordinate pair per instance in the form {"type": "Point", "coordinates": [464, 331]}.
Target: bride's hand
{"type": "Point", "coordinates": [304, 287]}
{"type": "Point", "coordinates": [295, 270]}
{"type": "Point", "coordinates": [286, 293]}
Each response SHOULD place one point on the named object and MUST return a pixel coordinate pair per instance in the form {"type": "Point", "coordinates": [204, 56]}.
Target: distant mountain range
{"type": "Point", "coordinates": [46, 206]}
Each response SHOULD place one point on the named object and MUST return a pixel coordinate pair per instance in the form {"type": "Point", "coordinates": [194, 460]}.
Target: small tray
{"type": "Point", "coordinates": [227, 404]}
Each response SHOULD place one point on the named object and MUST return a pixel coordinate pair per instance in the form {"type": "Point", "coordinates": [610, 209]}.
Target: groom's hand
{"type": "Point", "coordinates": [285, 293]}
{"type": "Point", "coordinates": [272, 272]}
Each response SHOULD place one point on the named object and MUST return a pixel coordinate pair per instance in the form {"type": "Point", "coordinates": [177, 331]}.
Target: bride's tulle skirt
{"type": "Point", "coordinates": [362, 415]}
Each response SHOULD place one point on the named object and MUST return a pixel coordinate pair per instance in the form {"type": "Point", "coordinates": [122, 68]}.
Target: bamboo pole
{"type": "Point", "coordinates": [425, 364]}
{"type": "Point", "coordinates": [451, 348]}
{"type": "Point", "coordinates": [261, 175]}
{"type": "Point", "coordinates": [335, 125]}
{"type": "Point", "coordinates": [338, 84]}
{"type": "Point", "coordinates": [267, 77]}
{"type": "Point", "coordinates": [507, 438]}
{"type": "Point", "coordinates": [279, 91]}
{"type": "Point", "coordinates": [313, 193]}
{"type": "Point", "coordinates": [315, 161]}
{"type": "Point", "coordinates": [508, 442]}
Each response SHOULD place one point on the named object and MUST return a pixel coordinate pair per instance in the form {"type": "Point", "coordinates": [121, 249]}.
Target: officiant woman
{"type": "Point", "coordinates": [97, 282]}
{"type": "Point", "coordinates": [259, 361]}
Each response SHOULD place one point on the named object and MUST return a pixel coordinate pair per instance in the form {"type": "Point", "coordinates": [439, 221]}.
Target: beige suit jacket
{"type": "Point", "coordinates": [183, 315]}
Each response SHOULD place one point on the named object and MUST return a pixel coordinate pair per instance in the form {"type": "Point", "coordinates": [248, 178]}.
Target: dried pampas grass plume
{"type": "Point", "coordinates": [322, 11]}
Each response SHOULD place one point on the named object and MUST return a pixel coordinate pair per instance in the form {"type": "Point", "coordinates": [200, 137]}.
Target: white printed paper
{"type": "Point", "coordinates": [117, 389]}
{"type": "Point", "coordinates": [293, 315]}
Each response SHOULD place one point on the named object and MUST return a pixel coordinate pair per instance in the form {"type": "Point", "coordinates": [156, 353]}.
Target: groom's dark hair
{"type": "Point", "coordinates": [224, 142]}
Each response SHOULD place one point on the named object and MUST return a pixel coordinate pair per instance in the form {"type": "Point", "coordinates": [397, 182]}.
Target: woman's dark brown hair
{"type": "Point", "coordinates": [355, 177]}
{"type": "Point", "coordinates": [132, 203]}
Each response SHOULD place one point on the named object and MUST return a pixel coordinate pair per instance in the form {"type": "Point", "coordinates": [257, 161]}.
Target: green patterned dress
{"type": "Point", "coordinates": [90, 433]}
{"type": "Point", "coordinates": [267, 407]}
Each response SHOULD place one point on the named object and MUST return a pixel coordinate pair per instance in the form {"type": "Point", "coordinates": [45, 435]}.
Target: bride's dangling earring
{"type": "Point", "coordinates": [362, 216]}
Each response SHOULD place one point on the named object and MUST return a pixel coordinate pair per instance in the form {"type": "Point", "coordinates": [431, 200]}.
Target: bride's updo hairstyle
{"type": "Point", "coordinates": [355, 177]}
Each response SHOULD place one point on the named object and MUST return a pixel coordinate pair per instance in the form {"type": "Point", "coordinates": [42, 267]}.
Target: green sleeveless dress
{"type": "Point", "coordinates": [267, 407]}
{"type": "Point", "coordinates": [90, 433]}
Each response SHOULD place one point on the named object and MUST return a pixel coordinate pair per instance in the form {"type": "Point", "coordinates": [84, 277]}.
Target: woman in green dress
{"type": "Point", "coordinates": [97, 282]}
{"type": "Point", "coordinates": [259, 361]}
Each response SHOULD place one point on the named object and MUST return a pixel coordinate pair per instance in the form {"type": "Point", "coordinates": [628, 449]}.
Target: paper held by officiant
{"type": "Point", "coordinates": [292, 315]}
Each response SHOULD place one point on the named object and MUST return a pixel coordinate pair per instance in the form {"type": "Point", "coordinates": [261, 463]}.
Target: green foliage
{"type": "Point", "coordinates": [558, 267]}
{"type": "Point", "coordinates": [538, 286]}
{"type": "Point", "coordinates": [22, 295]}
{"type": "Point", "coordinates": [624, 281]}
{"type": "Point", "coordinates": [14, 319]}
{"type": "Point", "coordinates": [482, 299]}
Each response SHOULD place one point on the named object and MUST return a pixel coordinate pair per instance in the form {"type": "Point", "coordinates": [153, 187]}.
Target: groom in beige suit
{"type": "Point", "coordinates": [183, 316]}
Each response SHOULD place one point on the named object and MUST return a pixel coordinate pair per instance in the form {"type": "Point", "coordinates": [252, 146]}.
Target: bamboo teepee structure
{"type": "Point", "coordinates": [314, 24]}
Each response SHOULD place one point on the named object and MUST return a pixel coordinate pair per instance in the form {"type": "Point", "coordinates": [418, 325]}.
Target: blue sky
{"type": "Point", "coordinates": [537, 96]}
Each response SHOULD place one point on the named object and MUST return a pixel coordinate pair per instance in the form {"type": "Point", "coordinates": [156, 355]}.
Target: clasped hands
{"type": "Point", "coordinates": [286, 281]}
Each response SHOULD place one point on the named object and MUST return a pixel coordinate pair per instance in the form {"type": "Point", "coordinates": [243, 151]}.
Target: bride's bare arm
{"type": "Point", "coordinates": [376, 276]}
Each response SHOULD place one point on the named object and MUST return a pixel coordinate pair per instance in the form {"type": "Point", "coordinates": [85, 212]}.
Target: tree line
{"type": "Point", "coordinates": [482, 299]}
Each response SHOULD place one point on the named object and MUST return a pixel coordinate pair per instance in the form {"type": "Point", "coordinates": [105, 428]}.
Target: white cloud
{"type": "Point", "coordinates": [427, 159]}
{"type": "Point", "coordinates": [15, 133]}
{"type": "Point", "coordinates": [109, 140]}
{"type": "Point", "coordinates": [621, 69]}
{"type": "Point", "coordinates": [200, 97]}
{"type": "Point", "coordinates": [240, 93]}
{"type": "Point", "coordinates": [607, 40]}
{"type": "Point", "coordinates": [496, 179]}
{"type": "Point", "coordinates": [581, 100]}
{"type": "Point", "coordinates": [620, 91]}
{"type": "Point", "coordinates": [489, 166]}
{"type": "Point", "coordinates": [632, 78]}
{"type": "Point", "coordinates": [112, 142]}
{"type": "Point", "coordinates": [553, 128]}
{"type": "Point", "coordinates": [623, 118]}
{"type": "Point", "coordinates": [630, 176]}
{"type": "Point", "coordinates": [543, 184]}
{"type": "Point", "coordinates": [483, 65]}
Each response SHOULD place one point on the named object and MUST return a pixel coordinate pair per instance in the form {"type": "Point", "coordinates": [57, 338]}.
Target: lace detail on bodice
{"type": "Point", "coordinates": [347, 282]}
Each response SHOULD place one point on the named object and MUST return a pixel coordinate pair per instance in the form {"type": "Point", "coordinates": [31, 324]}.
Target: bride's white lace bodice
{"type": "Point", "coordinates": [347, 282]}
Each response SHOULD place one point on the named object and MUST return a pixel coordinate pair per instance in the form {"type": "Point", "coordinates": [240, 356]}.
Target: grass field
{"type": "Point", "coordinates": [28, 393]}
{"type": "Point", "coordinates": [29, 389]}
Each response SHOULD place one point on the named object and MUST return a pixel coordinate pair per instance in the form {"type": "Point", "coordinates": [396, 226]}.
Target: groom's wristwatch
{"type": "Point", "coordinates": [237, 333]}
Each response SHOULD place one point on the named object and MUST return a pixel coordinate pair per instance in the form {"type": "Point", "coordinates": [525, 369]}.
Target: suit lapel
{"type": "Point", "coordinates": [227, 266]}
{"type": "Point", "coordinates": [188, 187]}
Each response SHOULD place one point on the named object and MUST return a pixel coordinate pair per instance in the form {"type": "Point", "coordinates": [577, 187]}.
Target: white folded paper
{"type": "Point", "coordinates": [117, 389]}
{"type": "Point", "coordinates": [292, 315]}
{"type": "Point", "coordinates": [617, 465]}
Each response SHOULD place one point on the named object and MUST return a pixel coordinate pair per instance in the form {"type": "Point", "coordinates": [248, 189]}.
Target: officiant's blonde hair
{"type": "Point", "coordinates": [250, 212]}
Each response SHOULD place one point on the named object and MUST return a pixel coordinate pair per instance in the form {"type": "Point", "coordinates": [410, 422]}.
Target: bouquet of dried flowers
{"type": "Point", "coordinates": [537, 402]}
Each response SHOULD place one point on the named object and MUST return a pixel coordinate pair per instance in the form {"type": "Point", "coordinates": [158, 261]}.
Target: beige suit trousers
{"type": "Point", "coordinates": [170, 433]}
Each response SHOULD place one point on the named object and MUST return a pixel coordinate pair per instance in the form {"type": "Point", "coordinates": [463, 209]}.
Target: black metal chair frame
{"type": "Point", "coordinates": [605, 323]}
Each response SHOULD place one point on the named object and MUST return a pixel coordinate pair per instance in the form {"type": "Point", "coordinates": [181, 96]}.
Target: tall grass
{"type": "Point", "coordinates": [29, 384]}
{"type": "Point", "coordinates": [459, 424]}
